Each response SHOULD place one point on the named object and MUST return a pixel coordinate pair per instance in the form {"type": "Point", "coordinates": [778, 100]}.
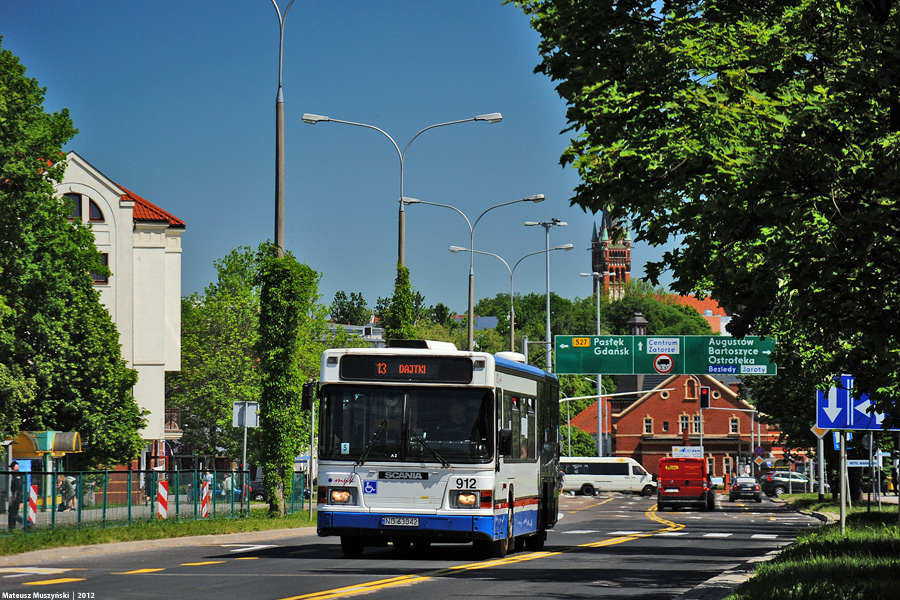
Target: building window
{"type": "Point", "coordinates": [696, 424]}
{"type": "Point", "coordinates": [74, 201]}
{"type": "Point", "coordinates": [735, 427]}
{"type": "Point", "coordinates": [665, 427]}
{"type": "Point", "coordinates": [711, 465]}
{"type": "Point", "coordinates": [98, 278]}
{"type": "Point", "coordinates": [648, 426]}
{"type": "Point", "coordinates": [729, 467]}
{"type": "Point", "coordinates": [690, 389]}
{"type": "Point", "coordinates": [683, 424]}
{"type": "Point", "coordinates": [95, 215]}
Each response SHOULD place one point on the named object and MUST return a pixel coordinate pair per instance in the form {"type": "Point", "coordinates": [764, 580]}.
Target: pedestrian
{"type": "Point", "coordinates": [227, 486]}
{"type": "Point", "coordinates": [67, 491]}
{"type": "Point", "coordinates": [561, 479]}
{"type": "Point", "coordinates": [15, 496]}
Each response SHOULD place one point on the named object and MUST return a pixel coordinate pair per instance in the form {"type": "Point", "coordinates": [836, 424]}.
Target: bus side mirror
{"type": "Point", "coordinates": [506, 442]}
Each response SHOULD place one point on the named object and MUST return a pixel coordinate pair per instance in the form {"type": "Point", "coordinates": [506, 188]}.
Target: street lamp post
{"type": "Point", "coordinates": [279, 138]}
{"type": "Point", "coordinates": [547, 225]}
{"type": "Point", "coordinates": [600, 423]}
{"type": "Point", "coordinates": [401, 235]}
{"type": "Point", "coordinates": [536, 198]}
{"type": "Point", "coordinates": [512, 310]}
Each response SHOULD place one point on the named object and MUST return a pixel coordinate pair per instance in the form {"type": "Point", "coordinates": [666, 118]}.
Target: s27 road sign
{"type": "Point", "coordinates": [664, 354]}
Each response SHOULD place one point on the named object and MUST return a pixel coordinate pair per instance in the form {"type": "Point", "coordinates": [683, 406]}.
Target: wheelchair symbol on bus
{"type": "Point", "coordinates": [370, 487]}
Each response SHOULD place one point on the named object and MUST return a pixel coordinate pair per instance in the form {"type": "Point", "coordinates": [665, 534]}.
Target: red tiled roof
{"type": "Point", "coordinates": [144, 210]}
{"type": "Point", "coordinates": [701, 305]}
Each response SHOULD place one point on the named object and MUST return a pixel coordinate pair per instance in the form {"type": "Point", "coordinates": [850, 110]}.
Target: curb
{"type": "Point", "coordinates": [37, 556]}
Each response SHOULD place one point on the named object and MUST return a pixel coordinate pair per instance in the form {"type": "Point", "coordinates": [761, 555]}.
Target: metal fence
{"type": "Point", "coordinates": [57, 498]}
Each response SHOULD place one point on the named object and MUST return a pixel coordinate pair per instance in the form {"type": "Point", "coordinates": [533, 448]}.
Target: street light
{"type": "Point", "coordinates": [279, 138]}
{"type": "Point", "coordinates": [535, 198]}
{"type": "Point", "coordinates": [512, 310]}
{"type": "Point", "coordinates": [597, 276]}
{"type": "Point", "coordinates": [401, 237]}
{"type": "Point", "coordinates": [547, 225]}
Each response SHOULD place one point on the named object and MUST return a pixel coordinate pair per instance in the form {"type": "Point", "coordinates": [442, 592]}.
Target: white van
{"type": "Point", "coordinates": [589, 474]}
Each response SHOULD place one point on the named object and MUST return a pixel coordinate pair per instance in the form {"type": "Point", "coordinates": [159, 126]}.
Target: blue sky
{"type": "Point", "coordinates": [175, 100]}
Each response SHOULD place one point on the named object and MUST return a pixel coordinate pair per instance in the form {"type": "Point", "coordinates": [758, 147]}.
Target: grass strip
{"type": "Point", "coordinates": [862, 563]}
{"type": "Point", "coordinates": [90, 534]}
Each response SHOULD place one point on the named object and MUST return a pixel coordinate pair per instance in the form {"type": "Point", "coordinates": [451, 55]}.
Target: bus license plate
{"type": "Point", "coordinates": [400, 521]}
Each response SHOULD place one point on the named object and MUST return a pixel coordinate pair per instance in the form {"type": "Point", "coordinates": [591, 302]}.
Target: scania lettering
{"type": "Point", "coordinates": [463, 449]}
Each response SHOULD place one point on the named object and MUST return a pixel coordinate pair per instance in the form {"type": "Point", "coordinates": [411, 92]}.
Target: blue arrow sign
{"type": "Point", "coordinates": [839, 408]}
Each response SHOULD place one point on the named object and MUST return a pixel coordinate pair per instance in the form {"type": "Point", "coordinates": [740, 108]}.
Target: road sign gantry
{"type": "Point", "coordinates": [664, 355]}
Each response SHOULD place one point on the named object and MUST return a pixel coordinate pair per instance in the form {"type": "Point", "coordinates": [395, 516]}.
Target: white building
{"type": "Point", "coordinates": [141, 244]}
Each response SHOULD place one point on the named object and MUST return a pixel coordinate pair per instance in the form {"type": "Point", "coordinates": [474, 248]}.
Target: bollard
{"type": "Point", "coordinates": [162, 504]}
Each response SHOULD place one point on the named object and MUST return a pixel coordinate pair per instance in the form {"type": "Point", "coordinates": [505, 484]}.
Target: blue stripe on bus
{"type": "Point", "coordinates": [436, 523]}
{"type": "Point", "coordinates": [524, 522]}
{"type": "Point", "coordinates": [511, 364]}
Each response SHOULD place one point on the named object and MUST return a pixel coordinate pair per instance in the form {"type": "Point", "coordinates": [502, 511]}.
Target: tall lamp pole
{"type": "Point", "coordinates": [279, 137]}
{"type": "Point", "coordinates": [401, 235]}
{"type": "Point", "coordinates": [536, 198]}
{"type": "Point", "coordinates": [547, 225]}
{"type": "Point", "coordinates": [600, 423]}
{"type": "Point", "coordinates": [512, 310]}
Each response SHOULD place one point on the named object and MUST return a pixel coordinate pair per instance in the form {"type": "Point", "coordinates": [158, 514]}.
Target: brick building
{"type": "Point", "coordinates": [665, 412]}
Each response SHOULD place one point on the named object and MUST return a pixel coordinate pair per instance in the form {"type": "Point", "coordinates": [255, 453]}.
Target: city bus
{"type": "Point", "coordinates": [421, 443]}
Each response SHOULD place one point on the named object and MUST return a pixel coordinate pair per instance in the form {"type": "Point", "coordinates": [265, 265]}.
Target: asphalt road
{"type": "Point", "coordinates": [613, 546]}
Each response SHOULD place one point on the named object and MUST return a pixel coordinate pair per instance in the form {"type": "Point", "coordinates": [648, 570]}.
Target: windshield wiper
{"type": "Point", "coordinates": [434, 452]}
{"type": "Point", "coordinates": [368, 448]}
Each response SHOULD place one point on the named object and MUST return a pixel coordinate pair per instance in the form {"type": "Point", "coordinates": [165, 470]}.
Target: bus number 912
{"type": "Point", "coordinates": [465, 483]}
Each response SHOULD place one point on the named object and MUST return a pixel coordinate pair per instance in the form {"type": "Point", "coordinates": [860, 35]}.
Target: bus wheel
{"type": "Point", "coordinates": [647, 491]}
{"type": "Point", "coordinates": [535, 542]}
{"type": "Point", "coordinates": [587, 490]}
{"type": "Point", "coordinates": [352, 547]}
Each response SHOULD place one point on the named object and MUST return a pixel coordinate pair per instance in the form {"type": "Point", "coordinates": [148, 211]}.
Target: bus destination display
{"type": "Point", "coordinates": [406, 368]}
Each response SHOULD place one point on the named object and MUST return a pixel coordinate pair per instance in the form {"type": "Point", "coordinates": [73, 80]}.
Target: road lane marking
{"type": "Point", "coordinates": [200, 564]}
{"type": "Point", "coordinates": [624, 532]}
{"type": "Point", "coordinates": [54, 581]}
{"type": "Point", "coordinates": [138, 572]}
{"type": "Point", "coordinates": [764, 536]}
{"type": "Point", "coordinates": [33, 570]}
{"type": "Point", "coordinates": [246, 547]}
{"type": "Point", "coordinates": [718, 535]}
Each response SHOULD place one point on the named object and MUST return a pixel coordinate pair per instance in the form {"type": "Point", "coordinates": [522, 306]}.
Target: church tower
{"type": "Point", "coordinates": [611, 257]}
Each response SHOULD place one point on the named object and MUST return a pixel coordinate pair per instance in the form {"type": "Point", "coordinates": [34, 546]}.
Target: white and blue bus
{"type": "Point", "coordinates": [422, 443]}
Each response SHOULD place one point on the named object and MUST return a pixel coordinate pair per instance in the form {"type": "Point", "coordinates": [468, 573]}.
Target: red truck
{"type": "Point", "coordinates": [684, 482]}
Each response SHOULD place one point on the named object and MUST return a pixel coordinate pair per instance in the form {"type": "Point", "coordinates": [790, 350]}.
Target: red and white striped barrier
{"type": "Point", "coordinates": [204, 500]}
{"type": "Point", "coordinates": [32, 504]}
{"type": "Point", "coordinates": [162, 499]}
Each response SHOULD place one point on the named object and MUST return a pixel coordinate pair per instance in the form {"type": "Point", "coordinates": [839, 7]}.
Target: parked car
{"type": "Point", "coordinates": [745, 487]}
{"type": "Point", "coordinates": [257, 491]}
{"type": "Point", "coordinates": [783, 482]}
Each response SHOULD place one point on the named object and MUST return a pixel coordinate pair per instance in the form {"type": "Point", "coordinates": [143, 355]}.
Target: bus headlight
{"type": "Point", "coordinates": [341, 496]}
{"type": "Point", "coordinates": [464, 499]}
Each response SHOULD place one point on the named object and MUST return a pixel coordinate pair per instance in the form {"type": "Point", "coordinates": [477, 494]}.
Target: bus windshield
{"type": "Point", "coordinates": [363, 423]}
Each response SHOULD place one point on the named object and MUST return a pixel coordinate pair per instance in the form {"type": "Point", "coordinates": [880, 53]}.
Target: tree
{"type": "Point", "coordinates": [57, 341]}
{"type": "Point", "coordinates": [765, 137]}
{"type": "Point", "coordinates": [582, 444]}
{"type": "Point", "coordinates": [218, 360]}
{"type": "Point", "coordinates": [400, 315]}
{"type": "Point", "coordinates": [349, 311]}
{"type": "Point", "coordinates": [288, 289]}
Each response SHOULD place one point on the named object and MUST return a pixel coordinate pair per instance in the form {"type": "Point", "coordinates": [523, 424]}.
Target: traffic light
{"type": "Point", "coordinates": [704, 397]}
{"type": "Point", "coordinates": [309, 395]}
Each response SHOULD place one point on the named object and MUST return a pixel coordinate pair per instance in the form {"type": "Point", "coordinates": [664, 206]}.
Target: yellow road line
{"type": "Point", "coordinates": [411, 579]}
{"type": "Point", "coordinates": [138, 572]}
{"type": "Point", "coordinates": [200, 564]}
{"type": "Point", "coordinates": [54, 581]}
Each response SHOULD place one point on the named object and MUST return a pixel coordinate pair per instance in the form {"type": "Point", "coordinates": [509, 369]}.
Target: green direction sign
{"type": "Point", "coordinates": [664, 355]}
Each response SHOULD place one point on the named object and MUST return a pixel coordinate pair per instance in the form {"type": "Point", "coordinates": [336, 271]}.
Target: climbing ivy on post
{"type": "Point", "coordinates": [288, 291]}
